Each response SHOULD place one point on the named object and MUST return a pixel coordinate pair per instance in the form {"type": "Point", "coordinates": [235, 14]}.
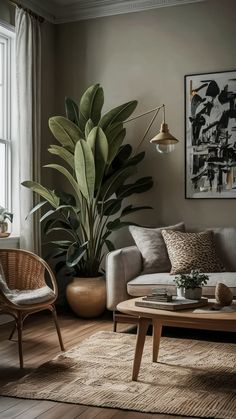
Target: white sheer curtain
{"type": "Point", "coordinates": [28, 69]}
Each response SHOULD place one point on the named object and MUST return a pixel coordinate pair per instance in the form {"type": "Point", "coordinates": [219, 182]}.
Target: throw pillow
{"type": "Point", "coordinates": [152, 247]}
{"type": "Point", "coordinates": [189, 251]}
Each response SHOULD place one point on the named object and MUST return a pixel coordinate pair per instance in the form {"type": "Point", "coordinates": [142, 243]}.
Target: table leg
{"type": "Point", "coordinates": [141, 335]}
{"type": "Point", "coordinates": [157, 329]}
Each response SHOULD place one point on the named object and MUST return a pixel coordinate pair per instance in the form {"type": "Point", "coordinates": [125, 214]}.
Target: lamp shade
{"type": "Point", "coordinates": [164, 141]}
{"type": "Point", "coordinates": [164, 137]}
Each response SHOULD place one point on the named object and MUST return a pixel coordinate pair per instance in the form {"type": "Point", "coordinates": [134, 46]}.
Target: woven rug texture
{"type": "Point", "coordinates": [192, 378]}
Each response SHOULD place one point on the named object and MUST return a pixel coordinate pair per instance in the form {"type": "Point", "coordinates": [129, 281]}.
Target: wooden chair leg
{"type": "Point", "coordinates": [12, 332]}
{"type": "Point", "coordinates": [54, 314]}
{"type": "Point", "coordinates": [19, 325]}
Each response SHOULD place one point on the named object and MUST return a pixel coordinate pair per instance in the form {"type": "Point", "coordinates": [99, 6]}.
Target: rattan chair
{"type": "Point", "coordinates": [25, 279]}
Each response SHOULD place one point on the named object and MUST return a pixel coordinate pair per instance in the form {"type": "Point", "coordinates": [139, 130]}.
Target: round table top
{"type": "Point", "coordinates": [129, 307]}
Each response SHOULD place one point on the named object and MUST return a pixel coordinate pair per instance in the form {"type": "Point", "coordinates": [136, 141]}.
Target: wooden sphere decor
{"type": "Point", "coordinates": [223, 294]}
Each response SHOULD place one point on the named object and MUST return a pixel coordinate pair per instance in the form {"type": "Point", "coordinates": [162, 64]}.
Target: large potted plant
{"type": "Point", "coordinates": [96, 166]}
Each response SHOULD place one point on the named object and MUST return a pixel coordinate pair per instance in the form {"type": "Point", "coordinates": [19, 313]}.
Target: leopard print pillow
{"type": "Point", "coordinates": [189, 251]}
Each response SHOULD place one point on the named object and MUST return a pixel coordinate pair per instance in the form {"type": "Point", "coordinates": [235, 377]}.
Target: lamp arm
{"type": "Point", "coordinates": [145, 113]}
{"type": "Point", "coordinates": [156, 110]}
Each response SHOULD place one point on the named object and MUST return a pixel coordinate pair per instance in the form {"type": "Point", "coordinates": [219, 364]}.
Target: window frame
{"type": "Point", "coordinates": [7, 34]}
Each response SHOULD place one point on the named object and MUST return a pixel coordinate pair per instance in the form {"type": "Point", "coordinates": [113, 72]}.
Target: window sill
{"type": "Point", "coordinates": [12, 242]}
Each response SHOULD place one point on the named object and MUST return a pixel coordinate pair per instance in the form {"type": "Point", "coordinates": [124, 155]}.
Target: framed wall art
{"type": "Point", "coordinates": [210, 135]}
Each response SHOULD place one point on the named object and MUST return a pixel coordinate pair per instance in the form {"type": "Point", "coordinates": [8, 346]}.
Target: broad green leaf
{"type": "Point", "coordinates": [117, 224]}
{"type": "Point", "coordinates": [114, 145]}
{"type": "Point", "coordinates": [112, 184]}
{"type": "Point", "coordinates": [46, 215]}
{"type": "Point", "coordinates": [124, 152]}
{"type": "Point", "coordinates": [55, 253]}
{"type": "Point", "coordinates": [113, 130]}
{"type": "Point", "coordinates": [64, 244]}
{"type": "Point", "coordinates": [105, 235]}
{"type": "Point", "coordinates": [72, 110]}
{"type": "Point", "coordinates": [91, 105]}
{"type": "Point", "coordinates": [88, 127]}
{"type": "Point", "coordinates": [75, 253]}
{"type": "Point", "coordinates": [133, 161]}
{"type": "Point", "coordinates": [130, 209]}
{"type": "Point", "coordinates": [118, 114]}
{"type": "Point", "coordinates": [66, 155]}
{"type": "Point", "coordinates": [99, 146]}
{"type": "Point", "coordinates": [52, 222]}
{"type": "Point", "coordinates": [141, 185]}
{"type": "Point", "coordinates": [8, 216]}
{"type": "Point", "coordinates": [45, 193]}
{"type": "Point", "coordinates": [110, 245]}
{"type": "Point", "coordinates": [110, 207]}
{"type": "Point", "coordinates": [67, 174]}
{"type": "Point", "coordinates": [65, 197]}
{"type": "Point", "coordinates": [39, 205]}
{"type": "Point", "coordinates": [85, 169]}
{"type": "Point", "coordinates": [55, 229]}
{"type": "Point", "coordinates": [65, 131]}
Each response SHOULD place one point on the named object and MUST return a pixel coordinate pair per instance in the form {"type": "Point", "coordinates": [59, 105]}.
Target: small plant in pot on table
{"type": "Point", "coordinates": [190, 285]}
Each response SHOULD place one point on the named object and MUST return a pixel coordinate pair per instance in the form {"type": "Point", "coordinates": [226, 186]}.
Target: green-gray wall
{"type": "Point", "coordinates": [145, 56]}
{"type": "Point", "coordinates": [7, 12]}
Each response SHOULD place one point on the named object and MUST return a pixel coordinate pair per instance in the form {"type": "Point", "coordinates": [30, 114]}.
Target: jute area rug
{"type": "Point", "coordinates": [192, 378]}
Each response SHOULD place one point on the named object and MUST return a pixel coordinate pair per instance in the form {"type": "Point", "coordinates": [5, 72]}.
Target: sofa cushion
{"type": "Point", "coordinates": [189, 251]}
{"type": "Point", "coordinates": [152, 247]}
{"type": "Point", "coordinates": [144, 284]}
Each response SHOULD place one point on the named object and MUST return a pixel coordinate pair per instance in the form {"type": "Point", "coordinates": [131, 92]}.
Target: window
{"type": "Point", "coordinates": [8, 148]}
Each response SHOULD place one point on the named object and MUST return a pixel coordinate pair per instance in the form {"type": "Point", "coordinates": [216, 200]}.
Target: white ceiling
{"type": "Point", "coordinates": [61, 11]}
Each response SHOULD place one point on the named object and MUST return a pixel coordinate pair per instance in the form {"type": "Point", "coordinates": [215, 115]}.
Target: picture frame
{"type": "Point", "coordinates": [210, 135]}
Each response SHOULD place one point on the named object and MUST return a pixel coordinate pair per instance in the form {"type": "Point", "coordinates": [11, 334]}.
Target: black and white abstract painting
{"type": "Point", "coordinates": [210, 124]}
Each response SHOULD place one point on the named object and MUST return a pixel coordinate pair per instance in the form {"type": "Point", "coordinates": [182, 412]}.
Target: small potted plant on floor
{"type": "Point", "coordinates": [4, 215]}
{"type": "Point", "coordinates": [191, 284]}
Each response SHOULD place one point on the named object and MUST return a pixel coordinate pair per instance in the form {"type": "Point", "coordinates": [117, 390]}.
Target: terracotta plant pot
{"type": "Point", "coordinates": [193, 293]}
{"type": "Point", "coordinates": [87, 296]}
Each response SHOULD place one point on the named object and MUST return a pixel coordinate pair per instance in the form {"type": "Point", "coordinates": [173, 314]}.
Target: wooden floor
{"type": "Point", "coordinates": [40, 345]}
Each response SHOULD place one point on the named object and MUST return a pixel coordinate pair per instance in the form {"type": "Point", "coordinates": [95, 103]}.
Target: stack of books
{"type": "Point", "coordinates": [176, 303]}
{"type": "Point", "coordinates": [161, 294]}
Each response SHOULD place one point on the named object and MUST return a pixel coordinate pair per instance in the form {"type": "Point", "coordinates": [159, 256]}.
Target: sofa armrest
{"type": "Point", "coordinates": [122, 265]}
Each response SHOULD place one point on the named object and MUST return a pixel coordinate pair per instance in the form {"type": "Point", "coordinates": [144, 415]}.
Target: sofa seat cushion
{"type": "Point", "coordinates": [144, 284]}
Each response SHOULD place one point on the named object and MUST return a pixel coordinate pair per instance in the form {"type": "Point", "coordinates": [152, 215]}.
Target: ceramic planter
{"type": "Point", "coordinates": [3, 227]}
{"type": "Point", "coordinates": [193, 293]}
{"type": "Point", "coordinates": [87, 296]}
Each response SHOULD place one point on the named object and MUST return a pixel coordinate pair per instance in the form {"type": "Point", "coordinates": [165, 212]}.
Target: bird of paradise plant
{"type": "Point", "coordinates": [97, 167]}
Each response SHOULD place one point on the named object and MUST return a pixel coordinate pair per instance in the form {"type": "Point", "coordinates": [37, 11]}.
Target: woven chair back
{"type": "Point", "coordinates": [22, 270]}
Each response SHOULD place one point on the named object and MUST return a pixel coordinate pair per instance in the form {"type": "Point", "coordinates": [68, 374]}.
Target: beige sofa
{"type": "Point", "coordinates": [125, 279]}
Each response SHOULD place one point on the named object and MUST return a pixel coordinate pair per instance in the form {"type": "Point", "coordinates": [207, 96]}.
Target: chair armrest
{"type": "Point", "coordinates": [122, 265]}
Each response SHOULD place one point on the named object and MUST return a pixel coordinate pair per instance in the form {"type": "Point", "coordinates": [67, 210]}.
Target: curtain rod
{"type": "Point", "coordinates": [21, 6]}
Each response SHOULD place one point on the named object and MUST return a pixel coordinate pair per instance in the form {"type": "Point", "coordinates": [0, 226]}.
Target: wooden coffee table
{"type": "Point", "coordinates": [184, 318]}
